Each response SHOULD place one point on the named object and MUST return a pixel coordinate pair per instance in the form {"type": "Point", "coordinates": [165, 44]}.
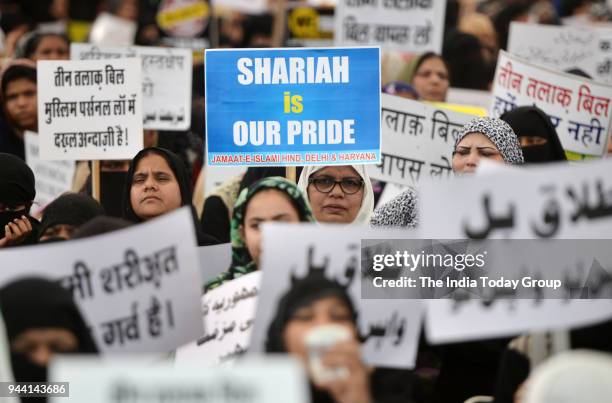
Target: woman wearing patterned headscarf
{"type": "Point", "coordinates": [483, 137]}
{"type": "Point", "coordinates": [269, 199]}
{"type": "Point", "coordinates": [486, 138]}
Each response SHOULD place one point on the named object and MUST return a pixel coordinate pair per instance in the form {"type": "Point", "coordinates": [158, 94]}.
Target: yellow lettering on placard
{"type": "Point", "coordinates": [170, 18]}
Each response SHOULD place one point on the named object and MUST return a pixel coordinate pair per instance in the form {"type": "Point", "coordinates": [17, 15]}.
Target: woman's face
{"type": "Point", "coordinates": [52, 48]}
{"type": "Point", "coordinates": [335, 206]}
{"type": "Point", "coordinates": [39, 345]}
{"type": "Point", "coordinates": [324, 311]}
{"type": "Point", "coordinates": [471, 149]}
{"type": "Point", "coordinates": [431, 80]}
{"type": "Point", "coordinates": [265, 206]}
{"type": "Point", "coordinates": [155, 190]}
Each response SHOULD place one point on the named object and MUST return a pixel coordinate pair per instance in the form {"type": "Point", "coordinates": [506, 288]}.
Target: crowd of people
{"type": "Point", "coordinates": [41, 318]}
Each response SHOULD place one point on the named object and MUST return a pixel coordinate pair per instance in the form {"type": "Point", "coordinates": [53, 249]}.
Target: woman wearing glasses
{"type": "Point", "coordinates": [489, 138]}
{"type": "Point", "coordinates": [338, 194]}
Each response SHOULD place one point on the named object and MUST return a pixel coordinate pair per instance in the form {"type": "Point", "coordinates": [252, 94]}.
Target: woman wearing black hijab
{"type": "Point", "coordinates": [17, 194]}
{"type": "Point", "coordinates": [66, 214]}
{"type": "Point", "coordinates": [315, 302]}
{"type": "Point", "coordinates": [537, 136]}
{"type": "Point", "coordinates": [41, 319]}
{"type": "Point", "coordinates": [157, 183]}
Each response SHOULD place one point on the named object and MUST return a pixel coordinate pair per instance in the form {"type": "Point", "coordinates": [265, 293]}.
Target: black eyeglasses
{"type": "Point", "coordinates": [326, 184]}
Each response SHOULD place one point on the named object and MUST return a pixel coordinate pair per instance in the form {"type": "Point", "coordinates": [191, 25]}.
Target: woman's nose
{"type": "Point", "coordinates": [472, 159]}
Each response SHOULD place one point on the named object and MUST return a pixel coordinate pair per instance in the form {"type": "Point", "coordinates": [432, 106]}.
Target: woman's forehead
{"type": "Point", "coordinates": [153, 160]}
{"type": "Point", "coordinates": [476, 139]}
{"type": "Point", "coordinates": [339, 170]}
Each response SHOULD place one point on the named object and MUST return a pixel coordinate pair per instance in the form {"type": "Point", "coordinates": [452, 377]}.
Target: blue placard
{"type": "Point", "coordinates": [308, 106]}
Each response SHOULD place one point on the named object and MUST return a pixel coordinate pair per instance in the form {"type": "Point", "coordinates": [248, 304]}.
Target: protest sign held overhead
{"type": "Point", "coordinates": [133, 380]}
{"type": "Point", "coordinates": [184, 23]}
{"type": "Point", "coordinates": [407, 26]}
{"type": "Point", "coordinates": [140, 295]}
{"type": "Point", "coordinates": [564, 48]}
{"type": "Point", "coordinates": [578, 108]}
{"type": "Point", "coordinates": [298, 258]}
{"type": "Point", "coordinates": [418, 139]}
{"type": "Point", "coordinates": [228, 313]}
{"type": "Point", "coordinates": [52, 177]}
{"type": "Point", "coordinates": [556, 201]}
{"type": "Point", "coordinates": [166, 103]}
{"type": "Point", "coordinates": [310, 26]}
{"type": "Point", "coordinates": [89, 110]}
{"type": "Point", "coordinates": [293, 107]}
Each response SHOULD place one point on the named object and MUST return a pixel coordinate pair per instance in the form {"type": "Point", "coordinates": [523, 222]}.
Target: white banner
{"type": "Point", "coordinates": [141, 294]}
{"type": "Point", "coordinates": [463, 96]}
{"type": "Point", "coordinates": [228, 314]}
{"type": "Point", "coordinates": [166, 81]}
{"type": "Point", "coordinates": [408, 26]}
{"type": "Point", "coordinates": [578, 108]}
{"type": "Point", "coordinates": [416, 136]}
{"type": "Point", "coordinates": [89, 110]}
{"type": "Point", "coordinates": [52, 177]}
{"type": "Point", "coordinates": [564, 48]}
{"type": "Point", "coordinates": [556, 201]}
{"type": "Point", "coordinates": [294, 252]}
{"type": "Point", "coordinates": [278, 379]}
{"type": "Point", "coordinates": [447, 321]}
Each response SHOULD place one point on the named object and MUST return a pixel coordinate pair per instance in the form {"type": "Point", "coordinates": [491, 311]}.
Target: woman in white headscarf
{"type": "Point", "coordinates": [338, 193]}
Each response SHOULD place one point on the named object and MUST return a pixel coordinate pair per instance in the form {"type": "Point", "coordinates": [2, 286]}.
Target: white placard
{"type": "Point", "coordinates": [579, 108]}
{"type": "Point", "coordinates": [463, 96]}
{"type": "Point", "coordinates": [89, 110]}
{"type": "Point", "coordinates": [52, 177]}
{"type": "Point", "coordinates": [564, 47]}
{"type": "Point", "coordinates": [273, 379]}
{"type": "Point", "coordinates": [413, 27]}
{"type": "Point", "coordinates": [445, 322]}
{"type": "Point", "coordinates": [244, 6]}
{"type": "Point", "coordinates": [166, 81]}
{"type": "Point", "coordinates": [214, 260]}
{"type": "Point", "coordinates": [138, 288]}
{"type": "Point", "coordinates": [417, 141]}
{"type": "Point", "coordinates": [6, 372]}
{"type": "Point", "coordinates": [556, 201]}
{"type": "Point", "coordinates": [228, 314]}
{"type": "Point", "coordinates": [390, 328]}
{"type": "Point", "coordinates": [604, 60]}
